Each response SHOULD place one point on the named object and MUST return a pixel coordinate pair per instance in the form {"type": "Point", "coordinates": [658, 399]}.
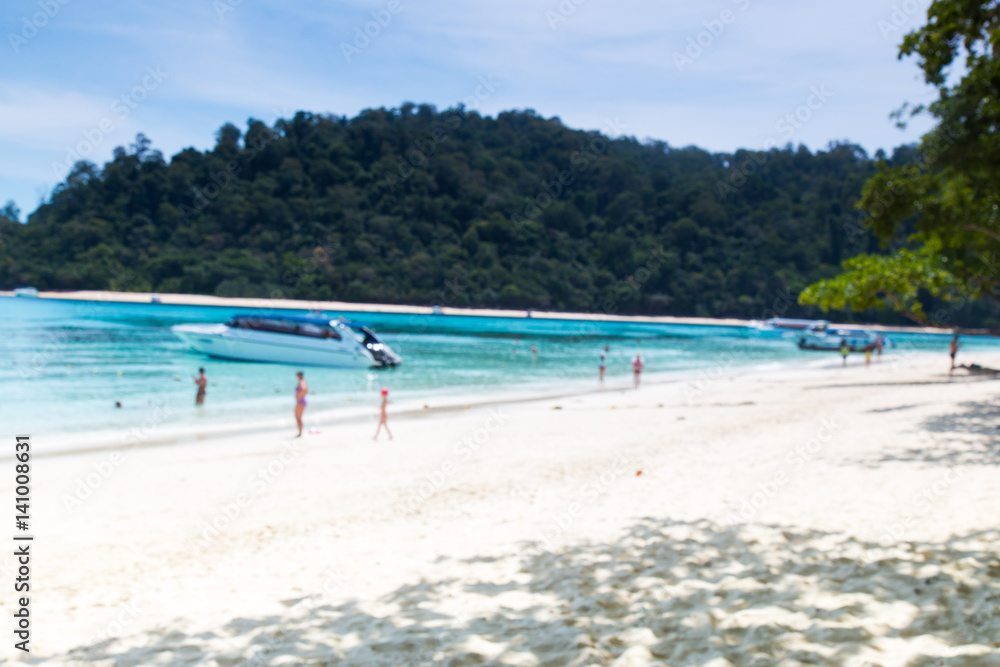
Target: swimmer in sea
{"type": "Point", "coordinates": [202, 382]}
{"type": "Point", "coordinates": [637, 365]}
{"type": "Point", "coordinates": [602, 360]}
{"type": "Point", "coordinates": [301, 389]}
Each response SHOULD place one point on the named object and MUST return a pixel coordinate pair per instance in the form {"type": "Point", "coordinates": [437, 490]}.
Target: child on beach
{"type": "Point", "coordinates": [844, 350]}
{"type": "Point", "coordinates": [383, 420]}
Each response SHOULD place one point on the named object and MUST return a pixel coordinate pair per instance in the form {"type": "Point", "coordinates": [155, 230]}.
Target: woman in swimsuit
{"type": "Point", "coordinates": [301, 389]}
{"type": "Point", "coordinates": [384, 419]}
{"type": "Point", "coordinates": [637, 365]}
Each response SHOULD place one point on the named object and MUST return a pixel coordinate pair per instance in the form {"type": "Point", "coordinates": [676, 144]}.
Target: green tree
{"type": "Point", "coordinates": [939, 207]}
{"type": "Point", "coordinates": [421, 206]}
{"type": "Point", "coordinates": [10, 211]}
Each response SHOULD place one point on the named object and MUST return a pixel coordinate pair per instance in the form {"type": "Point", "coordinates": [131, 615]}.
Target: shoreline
{"type": "Point", "coordinates": [670, 383]}
{"type": "Point", "coordinates": [794, 510]}
{"type": "Point", "coordinates": [299, 304]}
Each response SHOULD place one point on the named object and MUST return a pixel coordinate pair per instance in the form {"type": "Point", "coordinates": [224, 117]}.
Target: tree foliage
{"type": "Point", "coordinates": [872, 280]}
{"type": "Point", "coordinates": [413, 205]}
{"type": "Point", "coordinates": [948, 194]}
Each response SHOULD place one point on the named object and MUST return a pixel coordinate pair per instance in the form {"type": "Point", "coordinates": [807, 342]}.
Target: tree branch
{"type": "Point", "coordinates": [984, 230]}
{"type": "Point", "coordinates": [903, 310]}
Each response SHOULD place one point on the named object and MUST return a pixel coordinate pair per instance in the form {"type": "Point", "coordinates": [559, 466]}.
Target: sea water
{"type": "Point", "coordinates": [65, 364]}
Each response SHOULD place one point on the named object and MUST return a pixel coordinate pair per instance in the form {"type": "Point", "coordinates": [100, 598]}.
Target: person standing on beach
{"type": "Point", "coordinates": [868, 354]}
{"type": "Point", "coordinates": [202, 382]}
{"type": "Point", "coordinates": [844, 350]}
{"type": "Point", "coordinates": [637, 365]}
{"type": "Point", "coordinates": [301, 389]}
{"type": "Point", "coordinates": [953, 350]}
{"type": "Point", "coordinates": [879, 344]}
{"type": "Point", "coordinates": [384, 419]}
{"type": "Point", "coordinates": [602, 361]}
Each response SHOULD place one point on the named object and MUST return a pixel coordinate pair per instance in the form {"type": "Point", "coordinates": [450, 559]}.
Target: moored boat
{"type": "Point", "coordinates": [830, 341]}
{"type": "Point", "coordinates": [793, 324]}
{"type": "Point", "coordinates": [290, 339]}
{"type": "Point", "coordinates": [785, 327]}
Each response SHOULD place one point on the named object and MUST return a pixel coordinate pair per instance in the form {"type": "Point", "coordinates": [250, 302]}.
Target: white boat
{"type": "Point", "coordinates": [786, 327]}
{"type": "Point", "coordinates": [795, 324]}
{"type": "Point", "coordinates": [290, 339]}
{"type": "Point", "coordinates": [26, 292]}
{"type": "Point", "coordinates": [785, 324]}
{"type": "Point", "coordinates": [857, 340]}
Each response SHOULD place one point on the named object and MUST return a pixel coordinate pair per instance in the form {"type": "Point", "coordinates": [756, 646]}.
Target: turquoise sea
{"type": "Point", "coordinates": [64, 364]}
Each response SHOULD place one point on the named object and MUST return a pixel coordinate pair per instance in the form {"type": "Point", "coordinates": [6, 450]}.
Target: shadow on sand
{"type": "Point", "coordinates": [971, 436]}
{"type": "Point", "coordinates": [666, 593]}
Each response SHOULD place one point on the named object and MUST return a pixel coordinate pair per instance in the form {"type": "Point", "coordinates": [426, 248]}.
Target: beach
{"type": "Point", "coordinates": [824, 516]}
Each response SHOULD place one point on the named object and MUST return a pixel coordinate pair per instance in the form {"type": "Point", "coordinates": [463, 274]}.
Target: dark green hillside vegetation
{"type": "Point", "coordinates": [419, 206]}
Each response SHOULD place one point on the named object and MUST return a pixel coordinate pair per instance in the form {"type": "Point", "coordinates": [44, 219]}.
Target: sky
{"type": "Point", "coordinates": [79, 78]}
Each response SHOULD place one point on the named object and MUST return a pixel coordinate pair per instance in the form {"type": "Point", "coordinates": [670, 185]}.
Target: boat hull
{"type": "Point", "coordinates": [820, 347]}
{"type": "Point", "coordinates": [222, 342]}
{"type": "Point", "coordinates": [831, 343]}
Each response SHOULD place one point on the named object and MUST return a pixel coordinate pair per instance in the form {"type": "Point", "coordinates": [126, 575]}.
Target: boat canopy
{"type": "Point", "coordinates": [300, 319]}
{"type": "Point", "coordinates": [313, 327]}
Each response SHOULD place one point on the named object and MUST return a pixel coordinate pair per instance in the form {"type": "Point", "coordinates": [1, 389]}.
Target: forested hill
{"type": "Point", "coordinates": [419, 206]}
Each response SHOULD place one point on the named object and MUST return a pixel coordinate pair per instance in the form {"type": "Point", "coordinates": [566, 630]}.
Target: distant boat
{"type": "Point", "coordinates": [791, 324]}
{"type": "Point", "coordinates": [785, 327]}
{"type": "Point", "coordinates": [829, 341]}
{"type": "Point", "coordinates": [290, 339]}
{"type": "Point", "coordinates": [26, 292]}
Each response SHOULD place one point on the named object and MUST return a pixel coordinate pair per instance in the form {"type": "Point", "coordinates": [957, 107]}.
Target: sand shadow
{"type": "Point", "coordinates": [957, 379]}
{"type": "Point", "coordinates": [971, 436]}
{"type": "Point", "coordinates": [666, 593]}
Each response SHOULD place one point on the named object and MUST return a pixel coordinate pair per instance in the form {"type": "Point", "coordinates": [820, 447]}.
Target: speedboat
{"type": "Point", "coordinates": [290, 339]}
{"type": "Point", "coordinates": [786, 327]}
{"type": "Point", "coordinates": [795, 324]}
{"type": "Point", "coordinates": [26, 292]}
{"type": "Point", "coordinates": [857, 340]}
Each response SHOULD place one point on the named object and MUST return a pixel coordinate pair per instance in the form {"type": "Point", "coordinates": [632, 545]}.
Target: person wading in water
{"type": "Point", "coordinates": [301, 389]}
{"type": "Point", "coordinates": [202, 382]}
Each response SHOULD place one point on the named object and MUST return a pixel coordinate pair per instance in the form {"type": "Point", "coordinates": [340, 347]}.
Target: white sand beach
{"type": "Point", "coordinates": [821, 517]}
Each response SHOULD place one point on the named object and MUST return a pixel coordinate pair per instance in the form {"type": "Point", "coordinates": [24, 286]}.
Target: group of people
{"type": "Point", "coordinates": [875, 346]}
{"type": "Point", "coordinates": [602, 365]}
{"type": "Point", "coordinates": [301, 390]}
